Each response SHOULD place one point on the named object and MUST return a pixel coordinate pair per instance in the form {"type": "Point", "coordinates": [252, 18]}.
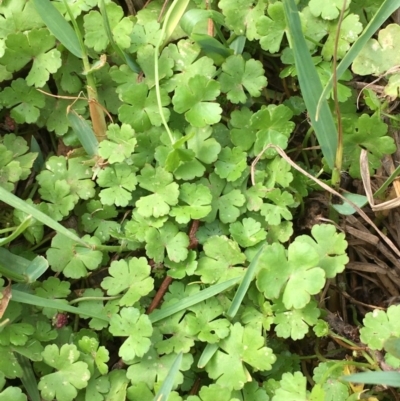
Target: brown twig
{"type": "Point", "coordinates": [160, 294]}
{"type": "Point", "coordinates": [193, 241]}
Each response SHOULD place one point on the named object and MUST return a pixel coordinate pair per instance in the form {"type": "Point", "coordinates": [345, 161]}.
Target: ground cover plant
{"type": "Point", "coordinates": [175, 221]}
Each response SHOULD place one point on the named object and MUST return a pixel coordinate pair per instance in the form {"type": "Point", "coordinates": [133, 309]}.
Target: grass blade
{"type": "Point", "coordinates": [17, 203]}
{"type": "Point", "coordinates": [172, 18]}
{"type": "Point", "coordinates": [28, 378]}
{"type": "Point", "coordinates": [192, 300]}
{"type": "Point", "coordinates": [207, 354]}
{"type": "Point", "coordinates": [311, 87]}
{"type": "Point", "coordinates": [244, 285]}
{"type": "Point", "coordinates": [84, 132]}
{"type": "Point", "coordinates": [382, 378]}
{"type": "Point", "coordinates": [387, 8]}
{"type": "Point", "coordinates": [30, 299]}
{"type": "Point", "coordinates": [58, 26]}
{"type": "Point", "coordinates": [17, 232]}
{"type": "Point", "coordinates": [166, 387]}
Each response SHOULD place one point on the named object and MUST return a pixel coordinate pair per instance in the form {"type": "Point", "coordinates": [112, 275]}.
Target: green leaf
{"type": "Point", "coordinates": [137, 327]}
{"type": "Point", "coordinates": [366, 132]}
{"type": "Point", "coordinates": [130, 277]}
{"type": "Point", "coordinates": [195, 100]}
{"type": "Point", "coordinates": [241, 16]}
{"type": "Point", "coordinates": [73, 260]}
{"type": "Point", "coordinates": [331, 247]}
{"type": "Point", "coordinates": [381, 378]}
{"type": "Point", "coordinates": [140, 109]}
{"type": "Point", "coordinates": [328, 10]}
{"type": "Point", "coordinates": [220, 260]}
{"type": "Point", "coordinates": [196, 201]}
{"type": "Point", "coordinates": [169, 239]}
{"type": "Point", "coordinates": [119, 181]}
{"type": "Point", "coordinates": [239, 74]}
{"type": "Point", "coordinates": [293, 386]}
{"type": "Point", "coordinates": [295, 323]}
{"type": "Point", "coordinates": [379, 326]}
{"type": "Point", "coordinates": [34, 45]}
{"type": "Point", "coordinates": [296, 276]}
{"type": "Point", "coordinates": [58, 26]}
{"type": "Point", "coordinates": [165, 192]}
{"type": "Point", "coordinates": [243, 345]}
{"type": "Point", "coordinates": [23, 100]}
{"type": "Point", "coordinates": [95, 33]}
{"type": "Point", "coordinates": [272, 28]}
{"type": "Point", "coordinates": [378, 56]}
{"type": "Point", "coordinates": [247, 233]}
{"type": "Point", "coordinates": [231, 163]}
{"type": "Point", "coordinates": [69, 377]}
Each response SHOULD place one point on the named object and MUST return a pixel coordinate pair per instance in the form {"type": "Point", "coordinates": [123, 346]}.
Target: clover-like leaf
{"type": "Point", "coordinates": [296, 276]}
{"type": "Point", "coordinates": [241, 16]}
{"type": "Point", "coordinates": [227, 204]}
{"type": "Point", "coordinates": [119, 180]}
{"type": "Point", "coordinates": [15, 162]}
{"type": "Point", "coordinates": [205, 322]}
{"type": "Point", "coordinates": [239, 74]}
{"type": "Point", "coordinates": [273, 126]}
{"type": "Point", "coordinates": [23, 100]}
{"type": "Point", "coordinates": [73, 172]}
{"type": "Point", "coordinates": [97, 356]}
{"type": "Point", "coordinates": [137, 327]}
{"type": "Point", "coordinates": [220, 261]}
{"type": "Point", "coordinates": [71, 259]}
{"type": "Point", "coordinates": [167, 239]}
{"type": "Point", "coordinates": [196, 201]}
{"type": "Point", "coordinates": [295, 323]}
{"type": "Point", "coordinates": [119, 145]}
{"type": "Point", "coordinates": [272, 28]}
{"type": "Point", "coordinates": [293, 386]}
{"type": "Point", "coordinates": [140, 108]}
{"type": "Point", "coordinates": [130, 277]}
{"type": "Point", "coordinates": [379, 326]}
{"type": "Point", "coordinates": [350, 28]}
{"type": "Point", "coordinates": [248, 232]}
{"type": "Point", "coordinates": [231, 163]}
{"type": "Point", "coordinates": [243, 345]}
{"type": "Point", "coordinates": [71, 374]}
{"type": "Point", "coordinates": [99, 219]}
{"type": "Point", "coordinates": [379, 55]}
{"type": "Point", "coordinates": [195, 99]}
{"type": "Point", "coordinates": [328, 10]}
{"type": "Point", "coordinates": [96, 36]}
{"type": "Point", "coordinates": [331, 247]}
{"type": "Point", "coordinates": [165, 192]}
{"type": "Point", "coordinates": [366, 132]}
{"type": "Point", "coordinates": [274, 213]}
{"type": "Point", "coordinates": [153, 368]}
{"type": "Point", "coordinates": [33, 45]}
{"type": "Point", "coordinates": [185, 55]}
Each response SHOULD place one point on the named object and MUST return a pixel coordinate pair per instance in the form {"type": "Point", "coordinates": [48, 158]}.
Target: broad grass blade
{"type": "Point", "coordinates": [244, 285]}
{"type": "Point", "coordinates": [172, 18]}
{"type": "Point", "coordinates": [166, 387]}
{"type": "Point", "coordinates": [192, 300]}
{"type": "Point", "coordinates": [311, 87]}
{"type": "Point", "coordinates": [17, 232]}
{"type": "Point", "coordinates": [382, 378]}
{"type": "Point", "coordinates": [58, 26]}
{"type": "Point", "coordinates": [84, 132]}
{"type": "Point", "coordinates": [207, 354]}
{"type": "Point", "coordinates": [30, 299]}
{"type": "Point", "coordinates": [28, 378]}
{"type": "Point", "coordinates": [17, 203]}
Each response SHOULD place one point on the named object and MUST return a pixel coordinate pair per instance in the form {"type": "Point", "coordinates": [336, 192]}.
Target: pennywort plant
{"type": "Point", "coordinates": [138, 261]}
